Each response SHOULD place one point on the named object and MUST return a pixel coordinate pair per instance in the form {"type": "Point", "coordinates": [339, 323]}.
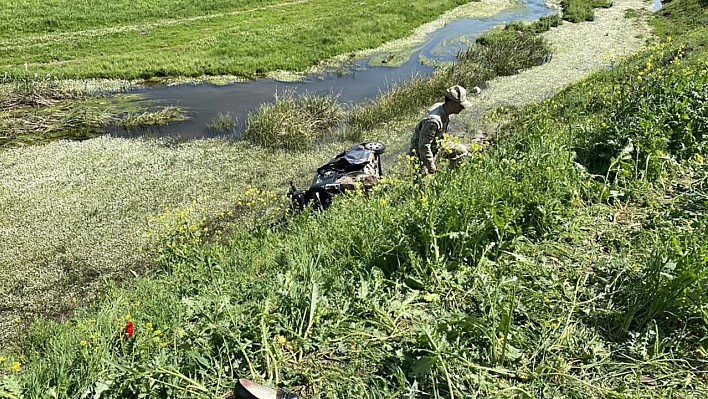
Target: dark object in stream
{"type": "Point", "coordinates": [360, 166]}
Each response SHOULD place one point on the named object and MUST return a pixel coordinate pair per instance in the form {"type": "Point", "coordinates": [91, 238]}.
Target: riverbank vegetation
{"type": "Point", "coordinates": [582, 10]}
{"type": "Point", "coordinates": [294, 122]}
{"type": "Point", "coordinates": [679, 17]}
{"type": "Point", "coordinates": [566, 260]}
{"type": "Point", "coordinates": [79, 119]}
{"type": "Point", "coordinates": [502, 52]}
{"type": "Point", "coordinates": [297, 123]}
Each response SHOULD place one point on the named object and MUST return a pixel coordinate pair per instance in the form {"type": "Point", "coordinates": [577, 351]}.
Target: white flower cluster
{"type": "Point", "coordinates": [74, 213]}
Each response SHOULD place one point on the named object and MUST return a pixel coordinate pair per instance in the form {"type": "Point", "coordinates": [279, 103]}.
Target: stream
{"type": "Point", "coordinates": [359, 82]}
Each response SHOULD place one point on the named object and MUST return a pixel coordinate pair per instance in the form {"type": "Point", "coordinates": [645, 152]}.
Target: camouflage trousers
{"type": "Point", "coordinates": [450, 150]}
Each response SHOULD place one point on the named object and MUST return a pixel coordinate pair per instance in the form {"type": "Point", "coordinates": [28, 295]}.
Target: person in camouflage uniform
{"type": "Point", "coordinates": [430, 134]}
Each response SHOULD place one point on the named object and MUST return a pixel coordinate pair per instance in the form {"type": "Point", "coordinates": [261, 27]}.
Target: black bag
{"type": "Point", "coordinates": [246, 389]}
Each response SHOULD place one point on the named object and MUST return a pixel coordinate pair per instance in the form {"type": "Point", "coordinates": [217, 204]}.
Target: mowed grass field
{"type": "Point", "coordinates": [129, 39]}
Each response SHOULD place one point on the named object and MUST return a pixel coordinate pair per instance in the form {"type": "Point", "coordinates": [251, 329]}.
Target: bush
{"type": "Point", "coordinates": [507, 52]}
{"type": "Point", "coordinates": [582, 10]}
{"type": "Point", "coordinates": [293, 122]}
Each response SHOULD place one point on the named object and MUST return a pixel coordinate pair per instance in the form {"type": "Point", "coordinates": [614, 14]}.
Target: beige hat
{"type": "Point", "coordinates": [458, 94]}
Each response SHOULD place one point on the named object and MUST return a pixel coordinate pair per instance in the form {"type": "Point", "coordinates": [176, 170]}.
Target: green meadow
{"type": "Point", "coordinates": [567, 258]}
{"type": "Point", "coordinates": [128, 39]}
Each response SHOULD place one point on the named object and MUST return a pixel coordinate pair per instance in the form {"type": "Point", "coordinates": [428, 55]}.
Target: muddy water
{"type": "Point", "coordinates": [358, 82]}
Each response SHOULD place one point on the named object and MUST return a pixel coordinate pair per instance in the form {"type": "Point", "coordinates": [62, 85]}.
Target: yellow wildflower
{"type": "Point", "coordinates": [15, 367]}
{"type": "Point", "coordinates": [280, 340]}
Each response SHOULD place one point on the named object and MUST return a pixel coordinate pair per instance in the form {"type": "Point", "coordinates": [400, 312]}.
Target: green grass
{"type": "Point", "coordinates": [27, 16]}
{"type": "Point", "coordinates": [582, 10]}
{"type": "Point", "coordinates": [679, 17]}
{"type": "Point", "coordinates": [559, 262]}
{"type": "Point", "coordinates": [144, 40]}
{"type": "Point", "coordinates": [222, 123]}
{"type": "Point", "coordinates": [294, 122]}
{"type": "Point", "coordinates": [521, 274]}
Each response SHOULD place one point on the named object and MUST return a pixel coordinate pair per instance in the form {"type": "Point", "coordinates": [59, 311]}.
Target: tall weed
{"type": "Point", "coordinates": [652, 113]}
{"type": "Point", "coordinates": [507, 52]}
{"type": "Point", "coordinates": [27, 89]}
{"type": "Point", "coordinates": [673, 287]}
{"type": "Point", "coordinates": [293, 122]}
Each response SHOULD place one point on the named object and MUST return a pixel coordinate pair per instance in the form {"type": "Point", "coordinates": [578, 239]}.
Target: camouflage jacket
{"type": "Point", "coordinates": [424, 143]}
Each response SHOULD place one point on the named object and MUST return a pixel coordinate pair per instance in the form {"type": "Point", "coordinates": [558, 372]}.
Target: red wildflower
{"type": "Point", "coordinates": [129, 329]}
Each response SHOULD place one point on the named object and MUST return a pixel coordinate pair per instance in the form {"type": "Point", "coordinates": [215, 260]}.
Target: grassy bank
{"type": "Point", "coordinates": [146, 183]}
{"type": "Point", "coordinates": [76, 213]}
{"type": "Point", "coordinates": [679, 17]}
{"type": "Point", "coordinates": [201, 38]}
{"type": "Point", "coordinates": [568, 260]}
{"type": "Point", "coordinates": [137, 181]}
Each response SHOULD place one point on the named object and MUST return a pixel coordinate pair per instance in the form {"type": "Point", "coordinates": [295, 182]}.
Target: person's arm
{"type": "Point", "coordinates": [428, 132]}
